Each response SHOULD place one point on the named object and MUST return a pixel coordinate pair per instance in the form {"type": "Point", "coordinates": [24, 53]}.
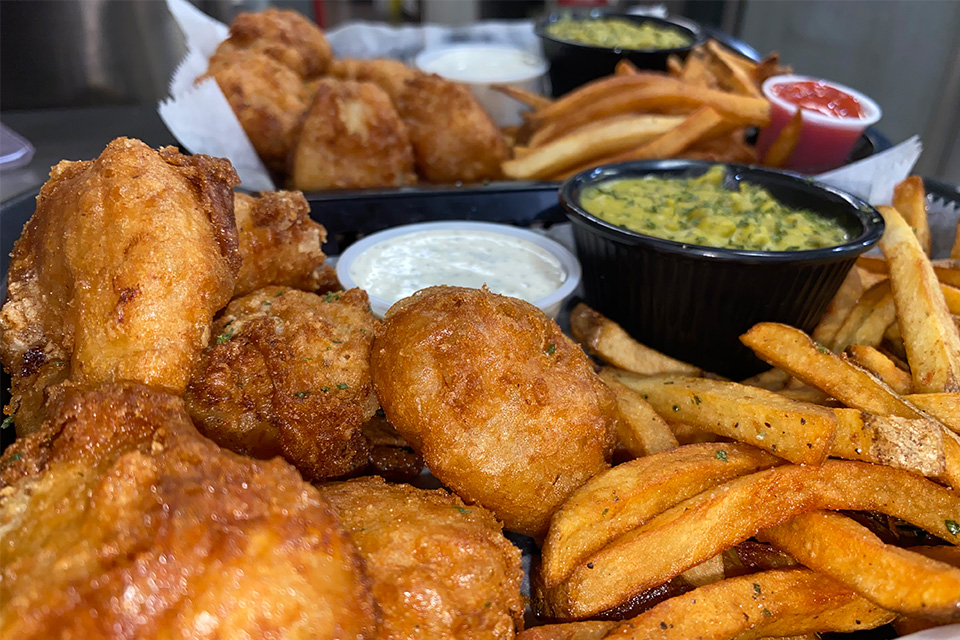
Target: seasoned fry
{"type": "Point", "coordinates": [948, 271]}
{"type": "Point", "coordinates": [881, 366]}
{"type": "Point", "coordinates": [951, 295]}
{"type": "Point", "coordinates": [929, 333]}
{"type": "Point", "coordinates": [843, 301]}
{"type": "Point", "coordinates": [782, 148]}
{"type": "Point", "coordinates": [704, 525]}
{"type": "Point", "coordinates": [640, 430]}
{"type": "Point", "coordinates": [772, 380]}
{"type": "Point", "coordinates": [793, 351]}
{"type": "Point", "coordinates": [873, 264]}
{"type": "Point", "coordinates": [607, 340]}
{"type": "Point", "coordinates": [796, 431]}
{"type": "Point", "coordinates": [585, 630]}
{"type": "Point", "coordinates": [910, 199]}
{"type": "Point", "coordinates": [945, 407]}
{"type": "Point", "coordinates": [896, 579]}
{"type": "Point", "coordinates": [867, 320]}
{"type": "Point", "coordinates": [529, 98]}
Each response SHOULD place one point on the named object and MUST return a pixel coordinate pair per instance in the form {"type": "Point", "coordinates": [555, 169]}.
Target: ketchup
{"type": "Point", "coordinates": [819, 97]}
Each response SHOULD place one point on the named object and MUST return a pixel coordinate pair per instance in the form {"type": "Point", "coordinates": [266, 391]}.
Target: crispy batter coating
{"type": "Point", "coordinates": [391, 457]}
{"type": "Point", "coordinates": [267, 97]}
{"type": "Point", "coordinates": [389, 75]}
{"type": "Point", "coordinates": [118, 520]}
{"type": "Point", "coordinates": [288, 373]}
{"type": "Point", "coordinates": [504, 408]}
{"type": "Point", "coordinates": [118, 273]}
{"type": "Point", "coordinates": [351, 138]}
{"type": "Point", "coordinates": [284, 35]}
{"type": "Point", "coordinates": [440, 569]}
{"type": "Point", "coordinates": [453, 137]}
{"type": "Point", "coordinates": [279, 243]}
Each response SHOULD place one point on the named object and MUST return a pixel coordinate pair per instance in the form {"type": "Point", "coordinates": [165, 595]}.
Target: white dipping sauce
{"type": "Point", "coordinates": [400, 266]}
{"type": "Point", "coordinates": [482, 64]}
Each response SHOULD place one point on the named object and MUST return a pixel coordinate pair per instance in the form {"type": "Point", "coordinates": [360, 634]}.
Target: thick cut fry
{"type": "Point", "coordinates": [610, 136]}
{"type": "Point", "coordinates": [945, 407]}
{"type": "Point", "coordinates": [705, 573]}
{"type": "Point", "coordinates": [529, 98]}
{"type": "Point", "coordinates": [699, 124]}
{"type": "Point", "coordinates": [883, 367]}
{"type": "Point", "coordinates": [922, 446]}
{"type": "Point", "coordinates": [895, 579]}
{"type": "Point", "coordinates": [640, 430]}
{"type": "Point", "coordinates": [592, 91]}
{"type": "Point", "coordinates": [793, 351]}
{"type": "Point", "coordinates": [632, 493]}
{"type": "Point", "coordinates": [740, 70]}
{"type": "Point", "coordinates": [772, 603]}
{"type": "Point", "coordinates": [585, 630]}
{"type": "Point", "coordinates": [910, 199]}
{"type": "Point", "coordinates": [873, 264]}
{"type": "Point", "coordinates": [796, 431]}
{"type": "Point", "coordinates": [772, 380]}
{"type": "Point", "coordinates": [782, 148]}
{"type": "Point", "coordinates": [867, 320]}
{"type": "Point", "coordinates": [929, 333]}
{"type": "Point", "coordinates": [696, 72]}
{"type": "Point", "coordinates": [951, 295]}
{"type": "Point", "coordinates": [704, 525]}
{"type": "Point", "coordinates": [607, 340]}
{"type": "Point", "coordinates": [843, 301]}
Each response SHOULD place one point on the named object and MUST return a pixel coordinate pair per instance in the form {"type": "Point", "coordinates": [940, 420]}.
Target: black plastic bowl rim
{"type": "Point", "coordinates": [689, 27]}
{"type": "Point", "coordinates": [869, 219]}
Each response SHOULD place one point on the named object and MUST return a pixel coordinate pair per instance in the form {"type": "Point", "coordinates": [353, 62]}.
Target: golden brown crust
{"type": "Point", "coordinates": [504, 408]}
{"type": "Point", "coordinates": [119, 520]}
{"type": "Point", "coordinates": [118, 273]}
{"type": "Point", "coordinates": [287, 373]}
{"type": "Point", "coordinates": [440, 569]}
{"type": "Point", "coordinates": [389, 75]}
{"type": "Point", "coordinates": [286, 36]}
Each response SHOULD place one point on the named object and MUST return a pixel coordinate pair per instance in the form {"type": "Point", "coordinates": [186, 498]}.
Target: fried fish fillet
{"type": "Point", "coordinates": [288, 373]}
{"type": "Point", "coordinates": [389, 75]}
{"type": "Point", "coordinates": [351, 137]}
{"type": "Point", "coordinates": [504, 408]}
{"type": "Point", "coordinates": [118, 520]}
{"type": "Point", "coordinates": [118, 273]}
{"type": "Point", "coordinates": [440, 569]}
{"type": "Point", "coordinates": [279, 243]}
{"type": "Point", "coordinates": [284, 35]}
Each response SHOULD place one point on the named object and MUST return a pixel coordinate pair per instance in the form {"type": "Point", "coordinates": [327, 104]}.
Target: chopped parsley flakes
{"type": "Point", "coordinates": [721, 455]}
{"type": "Point", "coordinates": [952, 526]}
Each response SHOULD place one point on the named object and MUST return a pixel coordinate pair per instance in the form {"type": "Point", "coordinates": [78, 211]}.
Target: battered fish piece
{"type": "Point", "coordinates": [391, 457]}
{"type": "Point", "coordinates": [389, 75]}
{"type": "Point", "coordinates": [267, 97]}
{"type": "Point", "coordinates": [351, 138]}
{"type": "Point", "coordinates": [288, 373]}
{"type": "Point", "coordinates": [504, 408]}
{"type": "Point", "coordinates": [453, 137]}
{"type": "Point", "coordinates": [279, 243]}
{"type": "Point", "coordinates": [118, 273]}
{"type": "Point", "coordinates": [119, 520]}
{"type": "Point", "coordinates": [284, 35]}
{"type": "Point", "coordinates": [440, 570]}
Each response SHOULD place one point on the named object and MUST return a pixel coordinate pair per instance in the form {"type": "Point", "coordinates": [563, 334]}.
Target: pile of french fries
{"type": "Point", "coordinates": [700, 110]}
{"type": "Point", "coordinates": [733, 519]}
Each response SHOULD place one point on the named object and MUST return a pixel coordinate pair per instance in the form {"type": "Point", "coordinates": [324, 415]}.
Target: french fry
{"type": "Point", "coordinates": [867, 320]}
{"type": "Point", "coordinates": [740, 70]}
{"type": "Point", "coordinates": [607, 340]}
{"type": "Point", "coordinates": [873, 264]}
{"type": "Point", "coordinates": [583, 630]}
{"type": "Point", "coordinates": [529, 98]}
{"type": "Point", "coordinates": [696, 72]}
{"type": "Point", "coordinates": [929, 333]}
{"type": "Point", "coordinates": [910, 199]}
{"type": "Point", "coordinates": [796, 431]}
{"type": "Point", "coordinates": [769, 67]}
{"type": "Point", "coordinates": [704, 525]}
{"type": "Point", "coordinates": [951, 295]}
{"type": "Point", "coordinates": [772, 380]}
{"type": "Point", "coordinates": [945, 407]}
{"type": "Point", "coordinates": [793, 351]}
{"type": "Point", "coordinates": [592, 91]}
{"type": "Point", "coordinates": [674, 66]}
{"type": "Point", "coordinates": [707, 572]}
{"type": "Point", "coordinates": [883, 367]}
{"type": "Point", "coordinates": [632, 493]}
{"type": "Point", "coordinates": [840, 306]}
{"type": "Point", "coordinates": [948, 271]}
{"type": "Point", "coordinates": [640, 430]}
{"type": "Point", "coordinates": [782, 148]}
{"type": "Point", "coordinates": [895, 579]}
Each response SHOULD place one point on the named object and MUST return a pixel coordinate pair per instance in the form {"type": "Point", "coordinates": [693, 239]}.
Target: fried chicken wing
{"type": "Point", "coordinates": [288, 374]}
{"type": "Point", "coordinates": [504, 408]}
{"type": "Point", "coordinates": [351, 137]}
{"type": "Point", "coordinates": [118, 273]}
{"type": "Point", "coordinates": [453, 137]}
{"type": "Point", "coordinates": [440, 570]}
{"type": "Point", "coordinates": [284, 35]}
{"type": "Point", "coordinates": [389, 75]}
{"type": "Point", "coordinates": [279, 243]}
{"type": "Point", "coordinates": [119, 520]}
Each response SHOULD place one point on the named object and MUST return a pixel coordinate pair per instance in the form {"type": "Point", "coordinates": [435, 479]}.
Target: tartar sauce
{"type": "Point", "coordinates": [482, 64]}
{"type": "Point", "coordinates": [400, 266]}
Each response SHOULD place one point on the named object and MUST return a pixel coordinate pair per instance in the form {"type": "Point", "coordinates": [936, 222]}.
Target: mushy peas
{"type": "Point", "coordinates": [702, 211]}
{"type": "Point", "coordinates": [618, 33]}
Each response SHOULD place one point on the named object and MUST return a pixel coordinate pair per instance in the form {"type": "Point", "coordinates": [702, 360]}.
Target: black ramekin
{"type": "Point", "coordinates": [573, 64]}
{"type": "Point", "coordinates": [694, 302]}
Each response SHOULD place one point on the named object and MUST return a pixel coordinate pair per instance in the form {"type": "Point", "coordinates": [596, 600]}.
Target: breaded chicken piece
{"type": "Point", "coordinates": [279, 243]}
{"type": "Point", "coordinates": [440, 569]}
{"type": "Point", "coordinates": [504, 408]}
{"type": "Point", "coordinates": [267, 97]}
{"type": "Point", "coordinates": [119, 520]}
{"type": "Point", "coordinates": [118, 273]}
{"type": "Point", "coordinates": [351, 137]}
{"type": "Point", "coordinates": [454, 140]}
{"type": "Point", "coordinates": [288, 373]}
{"type": "Point", "coordinates": [284, 35]}
{"type": "Point", "coordinates": [389, 75]}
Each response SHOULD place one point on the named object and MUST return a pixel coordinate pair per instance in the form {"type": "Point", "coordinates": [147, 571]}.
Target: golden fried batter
{"type": "Point", "coordinates": [267, 97]}
{"type": "Point", "coordinates": [279, 243]}
{"type": "Point", "coordinates": [504, 408]}
{"type": "Point", "coordinates": [288, 374]}
{"type": "Point", "coordinates": [440, 570]}
{"type": "Point", "coordinates": [351, 138]}
{"type": "Point", "coordinates": [453, 137]}
{"type": "Point", "coordinates": [284, 35]}
{"type": "Point", "coordinates": [389, 75]}
{"type": "Point", "coordinates": [391, 457]}
{"type": "Point", "coordinates": [118, 273]}
{"type": "Point", "coordinates": [118, 520]}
